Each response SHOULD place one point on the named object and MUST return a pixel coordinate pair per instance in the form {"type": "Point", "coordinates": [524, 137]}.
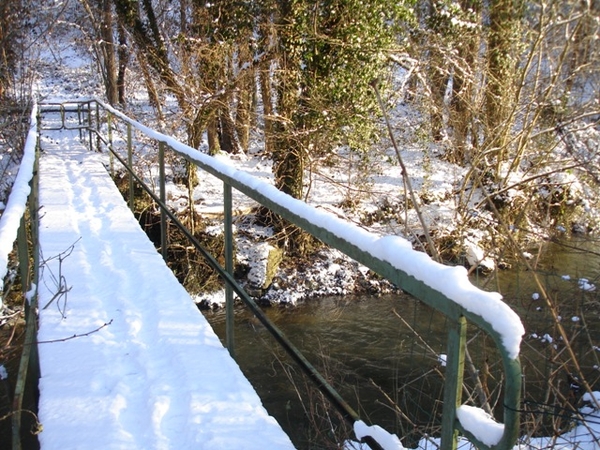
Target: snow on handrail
{"type": "Point", "coordinates": [400, 262]}
{"type": "Point", "coordinates": [17, 200]}
{"type": "Point", "coordinates": [453, 282]}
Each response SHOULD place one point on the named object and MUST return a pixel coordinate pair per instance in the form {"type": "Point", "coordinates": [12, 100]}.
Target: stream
{"type": "Point", "coordinates": [384, 354]}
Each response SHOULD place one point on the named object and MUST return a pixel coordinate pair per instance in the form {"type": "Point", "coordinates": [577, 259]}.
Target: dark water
{"type": "Point", "coordinates": [362, 347]}
{"type": "Point", "coordinates": [382, 353]}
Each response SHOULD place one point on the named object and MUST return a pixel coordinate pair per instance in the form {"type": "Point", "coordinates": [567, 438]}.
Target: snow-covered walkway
{"type": "Point", "coordinates": [127, 361]}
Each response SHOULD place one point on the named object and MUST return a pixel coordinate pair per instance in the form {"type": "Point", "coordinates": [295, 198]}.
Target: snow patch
{"type": "Point", "coordinates": [585, 285]}
{"type": "Point", "coordinates": [480, 424]}
{"type": "Point", "coordinates": [387, 440]}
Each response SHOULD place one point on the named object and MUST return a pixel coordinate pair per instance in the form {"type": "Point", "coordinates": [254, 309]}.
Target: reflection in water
{"type": "Point", "coordinates": [383, 353]}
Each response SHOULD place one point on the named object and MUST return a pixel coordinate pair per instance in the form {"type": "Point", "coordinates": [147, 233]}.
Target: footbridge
{"type": "Point", "coordinates": [124, 358]}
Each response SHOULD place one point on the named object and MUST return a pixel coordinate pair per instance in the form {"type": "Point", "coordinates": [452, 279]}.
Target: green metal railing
{"type": "Point", "coordinates": [28, 263]}
{"type": "Point", "coordinates": [89, 119]}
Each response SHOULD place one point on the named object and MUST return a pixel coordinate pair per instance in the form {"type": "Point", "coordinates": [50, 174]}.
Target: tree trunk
{"type": "Point", "coordinates": [288, 165]}
{"type": "Point", "coordinates": [243, 116]}
{"type": "Point", "coordinates": [212, 134]}
{"type": "Point", "coordinates": [287, 152]}
{"type": "Point", "coordinates": [183, 28]}
{"type": "Point", "coordinates": [288, 158]}
{"type": "Point", "coordinates": [438, 83]}
{"type": "Point", "coordinates": [228, 138]}
{"type": "Point", "coordinates": [463, 103]}
{"type": "Point", "coordinates": [123, 54]}
{"type": "Point", "coordinates": [107, 46]}
{"type": "Point", "coordinates": [505, 17]}
{"type": "Point", "coordinates": [151, 47]}
{"type": "Point", "coordinates": [153, 96]}
{"type": "Point", "coordinates": [437, 70]}
{"type": "Point", "coordinates": [583, 39]}
{"type": "Point", "coordinates": [268, 112]}
{"type": "Point", "coordinates": [245, 96]}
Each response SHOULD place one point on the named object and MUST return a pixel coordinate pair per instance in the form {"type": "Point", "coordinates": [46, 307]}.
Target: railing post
{"type": "Point", "coordinates": [23, 257]}
{"type": "Point", "coordinates": [228, 232]}
{"type": "Point", "coordinates": [79, 121]}
{"type": "Point", "coordinates": [34, 215]}
{"type": "Point", "coordinates": [97, 127]}
{"type": "Point", "coordinates": [455, 362]}
{"type": "Point", "coordinates": [163, 197]}
{"type": "Point", "coordinates": [89, 111]}
{"type": "Point", "coordinates": [130, 163]}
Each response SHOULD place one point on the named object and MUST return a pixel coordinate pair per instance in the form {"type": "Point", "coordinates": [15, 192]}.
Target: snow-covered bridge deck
{"type": "Point", "coordinates": [127, 361]}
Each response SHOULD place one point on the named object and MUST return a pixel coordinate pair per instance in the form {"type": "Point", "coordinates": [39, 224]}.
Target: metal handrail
{"type": "Point", "coordinates": [24, 200]}
{"type": "Point", "coordinates": [455, 312]}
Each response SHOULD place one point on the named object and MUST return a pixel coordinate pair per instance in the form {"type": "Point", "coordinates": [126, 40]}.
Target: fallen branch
{"type": "Point", "coordinates": [75, 336]}
{"type": "Point", "coordinates": [60, 281]}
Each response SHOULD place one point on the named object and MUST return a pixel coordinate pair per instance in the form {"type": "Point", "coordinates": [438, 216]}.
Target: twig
{"type": "Point", "coordinates": [544, 295]}
{"type": "Point", "coordinates": [483, 399]}
{"type": "Point", "coordinates": [38, 425]}
{"type": "Point", "coordinates": [434, 253]}
{"type": "Point", "coordinates": [60, 281]}
{"type": "Point", "coordinates": [75, 336]}
{"type": "Point", "coordinates": [393, 404]}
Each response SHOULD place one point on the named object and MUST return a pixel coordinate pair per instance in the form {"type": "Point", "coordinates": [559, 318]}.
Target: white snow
{"type": "Point", "coordinates": [442, 359]}
{"type": "Point", "coordinates": [127, 361]}
{"type": "Point", "coordinates": [585, 285]}
{"type": "Point", "coordinates": [386, 440]}
{"type": "Point", "coordinates": [480, 424]}
{"type": "Point", "coordinates": [476, 256]}
{"type": "Point", "coordinates": [17, 201]}
{"type": "Point", "coordinates": [594, 397]}
{"type": "Point", "coordinates": [547, 338]}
